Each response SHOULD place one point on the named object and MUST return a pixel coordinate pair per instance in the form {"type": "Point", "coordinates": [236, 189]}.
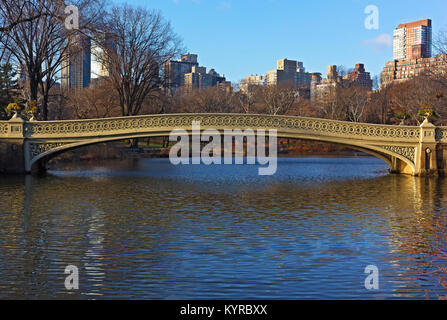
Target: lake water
{"type": "Point", "coordinates": [143, 228]}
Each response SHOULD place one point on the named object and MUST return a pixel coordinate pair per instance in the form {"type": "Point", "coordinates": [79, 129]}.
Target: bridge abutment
{"type": "Point", "coordinates": [12, 158]}
{"type": "Point", "coordinates": [400, 167]}
{"type": "Point", "coordinates": [441, 155]}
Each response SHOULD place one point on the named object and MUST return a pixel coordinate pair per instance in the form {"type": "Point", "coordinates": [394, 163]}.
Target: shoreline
{"type": "Point", "coordinates": [121, 151]}
{"type": "Point", "coordinates": [55, 162]}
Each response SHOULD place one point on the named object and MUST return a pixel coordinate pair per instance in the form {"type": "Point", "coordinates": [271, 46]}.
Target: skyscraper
{"type": "Point", "coordinates": [413, 40]}
{"type": "Point", "coordinates": [76, 64]}
{"type": "Point", "coordinates": [99, 60]}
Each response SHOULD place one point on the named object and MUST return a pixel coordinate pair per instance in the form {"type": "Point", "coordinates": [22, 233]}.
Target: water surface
{"type": "Point", "coordinates": [148, 229]}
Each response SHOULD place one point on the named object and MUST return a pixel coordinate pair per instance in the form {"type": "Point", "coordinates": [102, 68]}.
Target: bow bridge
{"type": "Point", "coordinates": [415, 150]}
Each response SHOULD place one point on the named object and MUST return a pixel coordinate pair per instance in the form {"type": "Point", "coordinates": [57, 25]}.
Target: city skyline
{"type": "Point", "coordinates": [238, 36]}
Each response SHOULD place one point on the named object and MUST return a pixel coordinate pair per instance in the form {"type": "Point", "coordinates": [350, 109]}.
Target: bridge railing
{"type": "Point", "coordinates": [441, 134]}
{"type": "Point", "coordinates": [4, 128]}
{"type": "Point", "coordinates": [166, 122]}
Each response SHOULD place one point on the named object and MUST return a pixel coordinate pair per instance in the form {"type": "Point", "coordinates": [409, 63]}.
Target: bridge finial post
{"type": "Point", "coordinates": [426, 159]}
{"type": "Point", "coordinates": [16, 125]}
{"type": "Point", "coordinates": [427, 131]}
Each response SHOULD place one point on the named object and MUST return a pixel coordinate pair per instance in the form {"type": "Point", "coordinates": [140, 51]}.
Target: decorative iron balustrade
{"type": "Point", "coordinates": [441, 134]}
{"type": "Point", "coordinates": [4, 128]}
{"type": "Point", "coordinates": [112, 126]}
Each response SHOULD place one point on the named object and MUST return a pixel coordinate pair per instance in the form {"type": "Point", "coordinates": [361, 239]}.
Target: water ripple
{"type": "Point", "coordinates": [147, 229]}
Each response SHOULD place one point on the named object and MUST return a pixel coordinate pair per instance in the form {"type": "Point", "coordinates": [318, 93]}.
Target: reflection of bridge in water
{"type": "Point", "coordinates": [89, 221]}
{"type": "Point", "coordinates": [415, 150]}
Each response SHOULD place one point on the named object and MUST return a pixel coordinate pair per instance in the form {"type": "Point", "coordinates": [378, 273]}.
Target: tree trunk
{"type": "Point", "coordinates": [45, 108]}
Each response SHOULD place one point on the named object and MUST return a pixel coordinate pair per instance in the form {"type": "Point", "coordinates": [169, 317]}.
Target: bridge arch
{"type": "Point", "coordinates": [391, 158]}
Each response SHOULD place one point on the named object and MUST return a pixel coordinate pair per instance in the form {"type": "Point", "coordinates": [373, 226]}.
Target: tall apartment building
{"type": "Point", "coordinates": [412, 49]}
{"type": "Point", "coordinates": [252, 80]}
{"type": "Point", "coordinates": [198, 78]}
{"type": "Point", "coordinates": [174, 71]}
{"type": "Point", "coordinates": [289, 72]}
{"type": "Point", "coordinates": [76, 64]}
{"type": "Point", "coordinates": [187, 73]}
{"type": "Point", "coordinates": [413, 40]}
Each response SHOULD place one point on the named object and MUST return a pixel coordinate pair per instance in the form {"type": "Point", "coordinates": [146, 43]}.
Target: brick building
{"type": "Point", "coordinates": [360, 77]}
{"type": "Point", "coordinates": [412, 51]}
{"type": "Point", "coordinates": [401, 70]}
{"type": "Point", "coordinates": [413, 40]}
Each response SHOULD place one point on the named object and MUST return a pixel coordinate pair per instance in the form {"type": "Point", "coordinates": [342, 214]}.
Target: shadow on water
{"type": "Point", "coordinates": [147, 229]}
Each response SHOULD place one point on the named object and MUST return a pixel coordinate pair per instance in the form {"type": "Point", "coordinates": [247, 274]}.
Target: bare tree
{"type": "Point", "coordinates": [440, 41]}
{"type": "Point", "coordinates": [440, 45]}
{"type": "Point", "coordinates": [99, 101]}
{"type": "Point", "coordinates": [343, 71]}
{"type": "Point", "coordinates": [247, 99]}
{"type": "Point", "coordinates": [209, 100]}
{"type": "Point", "coordinates": [328, 103]}
{"type": "Point", "coordinates": [279, 99]}
{"type": "Point", "coordinates": [20, 13]}
{"type": "Point", "coordinates": [355, 98]}
{"type": "Point", "coordinates": [160, 103]}
{"type": "Point", "coordinates": [418, 93]}
{"type": "Point", "coordinates": [380, 107]}
{"type": "Point", "coordinates": [139, 42]}
{"type": "Point", "coordinates": [38, 43]}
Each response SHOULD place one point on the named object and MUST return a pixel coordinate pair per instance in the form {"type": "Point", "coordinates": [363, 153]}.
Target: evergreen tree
{"type": "Point", "coordinates": [8, 88]}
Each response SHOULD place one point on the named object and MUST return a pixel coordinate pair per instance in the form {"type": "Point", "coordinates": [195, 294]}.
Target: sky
{"type": "Point", "coordinates": [242, 37]}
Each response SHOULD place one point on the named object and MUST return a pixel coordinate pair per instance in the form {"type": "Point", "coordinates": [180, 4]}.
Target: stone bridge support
{"type": "Point", "coordinates": [427, 154]}
{"type": "Point", "coordinates": [12, 157]}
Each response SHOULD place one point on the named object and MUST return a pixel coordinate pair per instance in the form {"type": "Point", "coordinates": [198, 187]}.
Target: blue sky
{"type": "Point", "coordinates": [242, 37]}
